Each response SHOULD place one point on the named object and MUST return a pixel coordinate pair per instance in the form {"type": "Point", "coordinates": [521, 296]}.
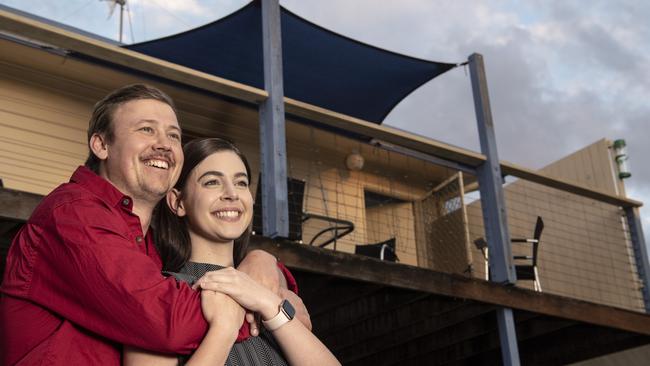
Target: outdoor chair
{"type": "Point", "coordinates": [338, 228]}
{"type": "Point", "coordinates": [384, 250]}
{"type": "Point", "coordinates": [525, 265]}
{"type": "Point", "coordinates": [295, 192]}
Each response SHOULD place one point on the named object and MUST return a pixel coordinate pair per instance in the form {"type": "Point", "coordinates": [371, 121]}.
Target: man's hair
{"type": "Point", "coordinates": [101, 122]}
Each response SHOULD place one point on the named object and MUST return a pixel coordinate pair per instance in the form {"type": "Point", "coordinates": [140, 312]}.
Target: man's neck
{"type": "Point", "coordinates": [144, 211]}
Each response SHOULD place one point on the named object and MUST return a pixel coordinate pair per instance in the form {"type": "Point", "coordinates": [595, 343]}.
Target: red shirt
{"type": "Point", "coordinates": [82, 279]}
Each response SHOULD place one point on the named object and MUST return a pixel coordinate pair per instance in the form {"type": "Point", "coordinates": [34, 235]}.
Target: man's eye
{"type": "Point", "coordinates": [175, 136]}
{"type": "Point", "coordinates": [243, 184]}
{"type": "Point", "coordinates": [146, 129]}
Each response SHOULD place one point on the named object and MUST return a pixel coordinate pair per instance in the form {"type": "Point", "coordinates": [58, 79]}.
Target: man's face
{"type": "Point", "coordinates": [145, 157]}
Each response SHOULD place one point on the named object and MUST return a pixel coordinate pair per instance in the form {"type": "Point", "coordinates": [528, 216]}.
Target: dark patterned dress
{"type": "Point", "coordinates": [262, 350]}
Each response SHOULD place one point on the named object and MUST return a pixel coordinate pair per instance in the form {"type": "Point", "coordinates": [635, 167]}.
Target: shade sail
{"type": "Point", "coordinates": [320, 67]}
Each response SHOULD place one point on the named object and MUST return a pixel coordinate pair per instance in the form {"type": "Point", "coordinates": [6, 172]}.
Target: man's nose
{"type": "Point", "coordinates": [163, 142]}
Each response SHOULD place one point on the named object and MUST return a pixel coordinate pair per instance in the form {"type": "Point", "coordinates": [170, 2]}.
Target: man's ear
{"type": "Point", "coordinates": [98, 146]}
{"type": "Point", "coordinates": [175, 203]}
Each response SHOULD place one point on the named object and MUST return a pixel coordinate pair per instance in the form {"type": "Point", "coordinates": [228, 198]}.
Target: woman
{"type": "Point", "coordinates": [204, 227]}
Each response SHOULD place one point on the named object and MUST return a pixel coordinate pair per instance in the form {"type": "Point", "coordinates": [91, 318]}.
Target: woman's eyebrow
{"type": "Point", "coordinates": [211, 172]}
{"type": "Point", "coordinates": [220, 174]}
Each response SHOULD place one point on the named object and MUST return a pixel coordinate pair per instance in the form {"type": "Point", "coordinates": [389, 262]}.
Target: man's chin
{"type": "Point", "coordinates": [155, 194]}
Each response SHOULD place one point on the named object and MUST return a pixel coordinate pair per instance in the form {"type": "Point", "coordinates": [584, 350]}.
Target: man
{"type": "Point", "coordinates": [83, 276]}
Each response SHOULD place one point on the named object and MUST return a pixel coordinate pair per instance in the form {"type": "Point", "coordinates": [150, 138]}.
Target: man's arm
{"type": "Point", "coordinates": [88, 272]}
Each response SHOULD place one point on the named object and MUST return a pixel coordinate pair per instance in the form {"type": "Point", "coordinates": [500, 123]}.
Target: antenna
{"type": "Point", "coordinates": [111, 7]}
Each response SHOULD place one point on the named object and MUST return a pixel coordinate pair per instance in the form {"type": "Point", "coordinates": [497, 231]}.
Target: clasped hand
{"type": "Point", "coordinates": [242, 289]}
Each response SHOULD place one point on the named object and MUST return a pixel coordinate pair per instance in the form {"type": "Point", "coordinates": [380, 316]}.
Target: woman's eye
{"type": "Point", "coordinates": [243, 184]}
{"type": "Point", "coordinates": [211, 182]}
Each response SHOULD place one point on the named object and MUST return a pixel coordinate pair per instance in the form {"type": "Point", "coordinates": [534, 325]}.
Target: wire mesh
{"type": "Point", "coordinates": [433, 214]}
{"type": "Point", "coordinates": [585, 251]}
{"type": "Point", "coordinates": [389, 199]}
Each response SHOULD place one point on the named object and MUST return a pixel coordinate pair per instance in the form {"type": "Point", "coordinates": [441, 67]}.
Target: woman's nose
{"type": "Point", "coordinates": [229, 192]}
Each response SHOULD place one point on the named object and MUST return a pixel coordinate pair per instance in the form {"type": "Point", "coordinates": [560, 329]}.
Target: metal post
{"type": "Point", "coordinates": [640, 252]}
{"type": "Point", "coordinates": [507, 335]}
{"type": "Point", "coordinates": [490, 181]}
{"type": "Point", "coordinates": [494, 208]}
{"type": "Point", "coordinates": [273, 150]}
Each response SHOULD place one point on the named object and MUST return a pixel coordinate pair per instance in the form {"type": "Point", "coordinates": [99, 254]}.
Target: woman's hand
{"type": "Point", "coordinates": [244, 290]}
{"type": "Point", "coordinates": [222, 311]}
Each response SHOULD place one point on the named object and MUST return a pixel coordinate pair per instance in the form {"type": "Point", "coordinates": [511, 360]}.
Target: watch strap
{"type": "Point", "coordinates": [285, 314]}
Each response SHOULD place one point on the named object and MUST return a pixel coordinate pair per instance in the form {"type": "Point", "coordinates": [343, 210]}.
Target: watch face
{"type": "Point", "coordinates": [288, 309]}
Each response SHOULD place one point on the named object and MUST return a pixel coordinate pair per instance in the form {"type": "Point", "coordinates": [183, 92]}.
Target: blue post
{"type": "Point", "coordinates": [494, 208]}
{"type": "Point", "coordinates": [273, 150]}
{"type": "Point", "coordinates": [640, 252]}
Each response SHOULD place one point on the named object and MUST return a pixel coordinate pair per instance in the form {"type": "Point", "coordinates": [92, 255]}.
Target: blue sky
{"type": "Point", "coordinates": [562, 74]}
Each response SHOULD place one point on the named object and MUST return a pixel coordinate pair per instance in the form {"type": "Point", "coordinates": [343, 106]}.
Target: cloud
{"type": "Point", "coordinates": [561, 74]}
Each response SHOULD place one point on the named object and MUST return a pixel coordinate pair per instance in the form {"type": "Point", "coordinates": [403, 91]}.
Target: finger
{"type": "Point", "coordinates": [255, 331]}
{"type": "Point", "coordinates": [250, 317]}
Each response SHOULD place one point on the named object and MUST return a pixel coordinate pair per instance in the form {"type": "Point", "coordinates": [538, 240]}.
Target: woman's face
{"type": "Point", "coordinates": [216, 198]}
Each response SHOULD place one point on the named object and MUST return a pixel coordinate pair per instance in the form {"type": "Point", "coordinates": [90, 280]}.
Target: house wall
{"type": "Point", "coordinates": [42, 133]}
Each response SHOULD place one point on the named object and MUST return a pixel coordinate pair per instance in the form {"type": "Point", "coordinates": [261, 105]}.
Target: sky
{"type": "Point", "coordinates": [562, 74]}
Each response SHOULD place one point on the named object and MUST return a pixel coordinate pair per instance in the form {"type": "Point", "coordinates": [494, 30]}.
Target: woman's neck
{"type": "Point", "coordinates": [205, 251]}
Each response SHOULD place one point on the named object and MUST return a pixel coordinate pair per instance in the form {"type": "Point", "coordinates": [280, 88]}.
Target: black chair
{"type": "Point", "coordinates": [337, 227]}
{"type": "Point", "coordinates": [296, 191]}
{"type": "Point", "coordinates": [525, 265]}
{"type": "Point", "coordinates": [384, 250]}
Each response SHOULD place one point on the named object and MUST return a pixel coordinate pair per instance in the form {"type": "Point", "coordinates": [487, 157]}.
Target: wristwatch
{"type": "Point", "coordinates": [285, 314]}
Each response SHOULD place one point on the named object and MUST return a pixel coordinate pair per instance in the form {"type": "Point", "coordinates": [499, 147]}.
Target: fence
{"type": "Point", "coordinates": [432, 214]}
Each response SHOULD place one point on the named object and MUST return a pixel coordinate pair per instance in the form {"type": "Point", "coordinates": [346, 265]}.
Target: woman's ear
{"type": "Point", "coordinates": [175, 203]}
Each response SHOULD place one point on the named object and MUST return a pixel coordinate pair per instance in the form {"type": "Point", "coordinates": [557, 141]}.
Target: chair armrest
{"type": "Point", "coordinates": [522, 257]}
{"type": "Point", "coordinates": [522, 240]}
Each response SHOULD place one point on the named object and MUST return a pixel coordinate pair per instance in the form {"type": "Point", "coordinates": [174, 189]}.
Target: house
{"type": "Point", "coordinates": [433, 307]}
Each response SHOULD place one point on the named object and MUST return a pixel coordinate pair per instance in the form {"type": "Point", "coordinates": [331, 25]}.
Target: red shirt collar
{"type": "Point", "coordinates": [101, 187]}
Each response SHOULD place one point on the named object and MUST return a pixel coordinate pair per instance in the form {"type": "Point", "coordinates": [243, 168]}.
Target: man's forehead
{"type": "Point", "coordinates": [146, 111]}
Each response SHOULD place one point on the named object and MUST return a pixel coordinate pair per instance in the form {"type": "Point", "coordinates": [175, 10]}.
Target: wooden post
{"type": "Point", "coordinates": [273, 150]}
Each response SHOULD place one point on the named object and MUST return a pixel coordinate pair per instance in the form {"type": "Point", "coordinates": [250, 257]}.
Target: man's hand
{"type": "Point", "coordinates": [222, 310]}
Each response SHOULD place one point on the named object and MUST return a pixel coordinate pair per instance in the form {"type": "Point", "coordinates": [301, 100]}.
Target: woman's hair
{"type": "Point", "coordinates": [171, 233]}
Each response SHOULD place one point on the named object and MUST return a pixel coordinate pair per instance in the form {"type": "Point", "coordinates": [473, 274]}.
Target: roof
{"type": "Point", "coordinates": [320, 67]}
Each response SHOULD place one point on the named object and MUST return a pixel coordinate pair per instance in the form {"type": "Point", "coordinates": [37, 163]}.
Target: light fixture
{"type": "Point", "coordinates": [354, 161]}
{"type": "Point", "coordinates": [620, 156]}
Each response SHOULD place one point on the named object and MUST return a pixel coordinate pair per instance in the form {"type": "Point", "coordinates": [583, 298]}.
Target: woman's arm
{"type": "Point", "coordinates": [300, 346]}
{"type": "Point", "coordinates": [225, 317]}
